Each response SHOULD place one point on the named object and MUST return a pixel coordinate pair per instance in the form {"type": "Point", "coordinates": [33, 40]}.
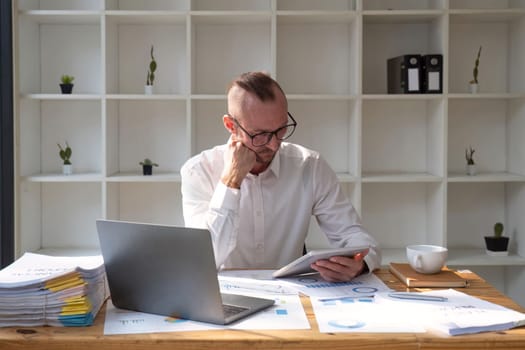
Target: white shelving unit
{"type": "Point", "coordinates": [400, 158]}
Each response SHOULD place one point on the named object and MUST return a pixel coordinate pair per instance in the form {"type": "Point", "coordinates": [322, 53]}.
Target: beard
{"type": "Point", "coordinates": [263, 159]}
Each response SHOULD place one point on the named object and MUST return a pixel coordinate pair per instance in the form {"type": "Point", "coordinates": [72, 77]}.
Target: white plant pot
{"type": "Point", "coordinates": [148, 89]}
{"type": "Point", "coordinates": [473, 88]}
{"type": "Point", "coordinates": [471, 169]}
{"type": "Point", "coordinates": [67, 169]}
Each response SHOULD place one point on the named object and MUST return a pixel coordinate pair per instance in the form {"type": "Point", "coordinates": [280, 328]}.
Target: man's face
{"type": "Point", "coordinates": [256, 117]}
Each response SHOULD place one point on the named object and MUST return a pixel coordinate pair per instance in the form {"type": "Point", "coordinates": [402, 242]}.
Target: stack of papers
{"type": "Point", "coordinates": [456, 313]}
{"type": "Point", "coordinates": [41, 290]}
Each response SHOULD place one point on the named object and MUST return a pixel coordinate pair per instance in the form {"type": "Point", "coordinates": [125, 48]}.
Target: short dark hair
{"type": "Point", "coordinates": [258, 83]}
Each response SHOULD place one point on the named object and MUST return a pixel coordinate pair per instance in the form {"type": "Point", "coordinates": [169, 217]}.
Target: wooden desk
{"type": "Point", "coordinates": [92, 338]}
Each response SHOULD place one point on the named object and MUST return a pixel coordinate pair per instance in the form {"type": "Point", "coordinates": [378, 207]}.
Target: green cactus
{"type": "Point", "coordinates": [150, 77]}
{"type": "Point", "coordinates": [498, 230]}
{"type": "Point", "coordinates": [148, 161]}
{"type": "Point", "coordinates": [469, 155]}
{"type": "Point", "coordinates": [475, 70]}
{"type": "Point", "coordinates": [67, 79]}
{"type": "Point", "coordinates": [65, 153]}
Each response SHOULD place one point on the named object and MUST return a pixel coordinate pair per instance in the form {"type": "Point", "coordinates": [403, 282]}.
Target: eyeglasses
{"type": "Point", "coordinates": [264, 138]}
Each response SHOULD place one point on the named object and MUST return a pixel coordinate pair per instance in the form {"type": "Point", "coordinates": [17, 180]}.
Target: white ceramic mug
{"type": "Point", "coordinates": [426, 258]}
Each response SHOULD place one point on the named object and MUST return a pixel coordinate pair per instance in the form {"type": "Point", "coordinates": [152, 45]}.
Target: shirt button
{"type": "Point", "coordinates": [258, 213]}
{"type": "Point", "coordinates": [260, 246]}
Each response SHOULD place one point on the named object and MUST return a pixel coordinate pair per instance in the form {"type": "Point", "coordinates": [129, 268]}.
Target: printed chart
{"type": "Point", "coordinates": [358, 314]}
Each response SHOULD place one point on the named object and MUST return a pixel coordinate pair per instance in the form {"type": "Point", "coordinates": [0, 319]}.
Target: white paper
{"type": "Point", "coordinates": [287, 313]}
{"type": "Point", "coordinates": [249, 281]}
{"type": "Point", "coordinates": [413, 79]}
{"type": "Point", "coordinates": [349, 314]}
{"type": "Point", "coordinates": [433, 81]}
{"type": "Point", "coordinates": [460, 314]}
{"type": "Point", "coordinates": [35, 268]}
{"type": "Point", "coordinates": [314, 285]}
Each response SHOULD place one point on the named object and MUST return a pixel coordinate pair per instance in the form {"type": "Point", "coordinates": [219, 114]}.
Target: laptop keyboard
{"type": "Point", "coordinates": [230, 310]}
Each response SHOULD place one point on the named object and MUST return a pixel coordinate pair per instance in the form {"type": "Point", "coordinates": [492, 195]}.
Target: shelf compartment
{"type": "Point", "coordinates": [474, 208]}
{"type": "Point", "coordinates": [59, 215]}
{"type": "Point", "coordinates": [490, 127]}
{"type": "Point", "coordinates": [502, 55]}
{"type": "Point", "coordinates": [411, 134]}
{"type": "Point", "coordinates": [302, 45]}
{"type": "Point", "coordinates": [128, 44]}
{"type": "Point", "coordinates": [325, 126]}
{"type": "Point", "coordinates": [47, 123]}
{"type": "Point", "coordinates": [235, 47]}
{"type": "Point", "coordinates": [207, 127]}
{"type": "Point", "coordinates": [149, 202]}
{"type": "Point", "coordinates": [146, 129]}
{"type": "Point", "coordinates": [41, 37]}
{"type": "Point", "coordinates": [400, 214]}
{"type": "Point", "coordinates": [388, 36]}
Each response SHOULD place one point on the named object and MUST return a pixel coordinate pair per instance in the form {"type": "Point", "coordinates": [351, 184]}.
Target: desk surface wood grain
{"type": "Point", "coordinates": [91, 338]}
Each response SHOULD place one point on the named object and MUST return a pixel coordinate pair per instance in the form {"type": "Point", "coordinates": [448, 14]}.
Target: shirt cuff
{"type": "Point", "coordinates": [225, 197]}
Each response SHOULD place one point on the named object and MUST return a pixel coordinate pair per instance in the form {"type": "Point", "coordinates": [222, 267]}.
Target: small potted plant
{"type": "Point", "coordinates": [66, 85]}
{"type": "Point", "coordinates": [471, 165]}
{"type": "Point", "coordinates": [147, 166]}
{"type": "Point", "coordinates": [497, 244]}
{"type": "Point", "coordinates": [150, 76]}
{"type": "Point", "coordinates": [65, 155]}
{"type": "Point", "coordinates": [474, 84]}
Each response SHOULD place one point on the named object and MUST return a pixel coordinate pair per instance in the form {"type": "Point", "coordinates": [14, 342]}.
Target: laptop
{"type": "Point", "coordinates": [170, 271]}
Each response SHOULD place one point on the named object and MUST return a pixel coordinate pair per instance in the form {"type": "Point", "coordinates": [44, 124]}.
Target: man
{"type": "Point", "coordinates": [256, 194]}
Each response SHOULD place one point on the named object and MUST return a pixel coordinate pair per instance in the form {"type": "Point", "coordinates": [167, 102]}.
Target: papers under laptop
{"type": "Point", "coordinates": [168, 270]}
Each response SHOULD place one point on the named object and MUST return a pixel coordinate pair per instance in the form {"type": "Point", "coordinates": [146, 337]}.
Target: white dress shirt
{"type": "Point", "coordinates": [264, 223]}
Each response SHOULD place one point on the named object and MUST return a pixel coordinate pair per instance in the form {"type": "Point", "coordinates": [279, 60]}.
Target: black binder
{"type": "Point", "coordinates": [432, 67]}
{"type": "Point", "coordinates": [404, 74]}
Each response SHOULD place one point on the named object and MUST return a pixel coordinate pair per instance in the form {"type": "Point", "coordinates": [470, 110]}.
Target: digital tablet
{"type": "Point", "coordinates": [302, 264]}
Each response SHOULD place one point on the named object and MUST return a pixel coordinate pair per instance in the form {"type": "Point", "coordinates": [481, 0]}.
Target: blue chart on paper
{"type": "Point", "coordinates": [316, 284]}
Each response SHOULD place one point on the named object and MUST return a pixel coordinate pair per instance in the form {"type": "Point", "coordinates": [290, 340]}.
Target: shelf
{"type": "Point", "coordinates": [478, 257]}
{"type": "Point", "coordinates": [88, 177]}
{"type": "Point", "coordinates": [62, 17]}
{"type": "Point", "coordinates": [61, 97]}
{"type": "Point", "coordinates": [145, 97]}
{"type": "Point", "coordinates": [487, 96]}
{"type": "Point", "coordinates": [459, 257]}
{"type": "Point", "coordinates": [400, 177]}
{"type": "Point", "coordinates": [402, 97]}
{"type": "Point", "coordinates": [401, 16]}
{"type": "Point", "coordinates": [138, 177]}
{"type": "Point", "coordinates": [486, 16]}
{"type": "Point", "coordinates": [486, 177]}
{"type": "Point", "coordinates": [145, 17]}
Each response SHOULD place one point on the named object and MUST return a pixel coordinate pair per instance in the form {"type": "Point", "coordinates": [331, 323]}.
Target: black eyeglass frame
{"type": "Point", "coordinates": [269, 133]}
